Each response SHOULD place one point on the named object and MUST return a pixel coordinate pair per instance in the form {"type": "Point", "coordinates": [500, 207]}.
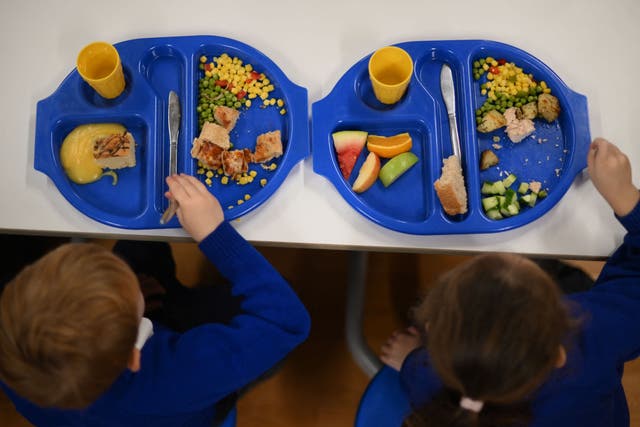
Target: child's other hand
{"type": "Point", "coordinates": [198, 211]}
{"type": "Point", "coordinates": [610, 172]}
{"type": "Point", "coordinates": [398, 347]}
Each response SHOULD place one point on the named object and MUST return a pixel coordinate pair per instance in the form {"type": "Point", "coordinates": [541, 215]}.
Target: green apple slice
{"type": "Point", "coordinates": [395, 167]}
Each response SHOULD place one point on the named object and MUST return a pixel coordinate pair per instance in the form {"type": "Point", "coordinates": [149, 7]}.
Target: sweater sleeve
{"type": "Point", "coordinates": [613, 304]}
{"type": "Point", "coordinates": [197, 368]}
{"type": "Point", "coordinates": [418, 379]}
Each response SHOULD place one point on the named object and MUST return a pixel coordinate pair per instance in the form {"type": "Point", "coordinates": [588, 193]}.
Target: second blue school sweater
{"type": "Point", "coordinates": [587, 391]}
{"type": "Point", "coordinates": [183, 376]}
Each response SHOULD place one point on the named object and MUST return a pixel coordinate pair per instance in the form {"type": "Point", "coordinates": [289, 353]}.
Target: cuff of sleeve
{"type": "Point", "coordinates": [224, 246]}
{"type": "Point", "coordinates": [631, 221]}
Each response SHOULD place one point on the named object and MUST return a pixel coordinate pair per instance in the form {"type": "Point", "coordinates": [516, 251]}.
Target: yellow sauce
{"type": "Point", "coordinates": [76, 152]}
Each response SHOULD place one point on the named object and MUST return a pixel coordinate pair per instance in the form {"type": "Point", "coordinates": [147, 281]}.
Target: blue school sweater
{"type": "Point", "coordinates": [182, 376]}
{"type": "Point", "coordinates": [587, 391]}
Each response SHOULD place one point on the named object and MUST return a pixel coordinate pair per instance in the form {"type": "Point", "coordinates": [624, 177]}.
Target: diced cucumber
{"type": "Point", "coordinates": [514, 209]}
{"type": "Point", "coordinates": [510, 197]}
{"type": "Point", "coordinates": [489, 203]}
{"type": "Point", "coordinates": [508, 181]}
{"type": "Point", "coordinates": [494, 214]}
{"type": "Point", "coordinates": [492, 187]}
{"type": "Point", "coordinates": [498, 187]}
{"type": "Point", "coordinates": [542, 194]}
{"type": "Point", "coordinates": [487, 188]}
{"type": "Point", "coordinates": [526, 198]}
{"type": "Point", "coordinates": [523, 188]}
{"type": "Point", "coordinates": [532, 199]}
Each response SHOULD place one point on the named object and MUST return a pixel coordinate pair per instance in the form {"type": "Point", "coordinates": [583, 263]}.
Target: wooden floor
{"type": "Point", "coordinates": [319, 384]}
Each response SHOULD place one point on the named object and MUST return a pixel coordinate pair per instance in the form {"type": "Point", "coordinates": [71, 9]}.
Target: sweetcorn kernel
{"type": "Point", "coordinates": [208, 181]}
{"type": "Point", "coordinates": [209, 174]}
{"type": "Point", "coordinates": [247, 196]}
{"type": "Point", "coordinates": [263, 182]}
{"type": "Point", "coordinates": [283, 112]}
{"type": "Point", "coordinates": [253, 173]}
{"type": "Point", "coordinates": [240, 201]}
{"type": "Point", "coordinates": [224, 180]}
{"type": "Point", "coordinates": [280, 102]}
{"type": "Point", "coordinates": [203, 59]}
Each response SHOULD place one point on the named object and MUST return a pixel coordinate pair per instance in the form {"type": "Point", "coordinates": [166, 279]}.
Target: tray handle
{"type": "Point", "coordinates": [578, 104]}
{"type": "Point", "coordinates": [300, 124]}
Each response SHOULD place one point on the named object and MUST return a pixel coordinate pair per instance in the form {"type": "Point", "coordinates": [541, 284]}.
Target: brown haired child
{"type": "Point", "coordinates": [75, 348]}
{"type": "Point", "coordinates": [502, 346]}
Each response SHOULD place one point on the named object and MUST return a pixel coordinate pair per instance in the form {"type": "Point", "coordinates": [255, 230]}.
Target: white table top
{"type": "Point", "coordinates": [591, 45]}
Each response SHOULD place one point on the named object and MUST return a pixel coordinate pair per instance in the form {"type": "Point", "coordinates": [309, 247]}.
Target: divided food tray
{"type": "Point", "coordinates": [553, 155]}
{"type": "Point", "coordinates": [152, 68]}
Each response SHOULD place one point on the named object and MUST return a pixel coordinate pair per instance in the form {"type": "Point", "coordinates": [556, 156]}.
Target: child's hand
{"type": "Point", "coordinates": [610, 172]}
{"type": "Point", "coordinates": [398, 347]}
{"type": "Point", "coordinates": [198, 211]}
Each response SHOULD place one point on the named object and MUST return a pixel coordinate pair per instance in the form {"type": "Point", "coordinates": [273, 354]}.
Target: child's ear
{"type": "Point", "coordinates": [134, 360]}
{"type": "Point", "coordinates": [562, 357]}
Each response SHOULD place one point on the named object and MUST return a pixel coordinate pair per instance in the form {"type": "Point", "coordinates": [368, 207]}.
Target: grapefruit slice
{"type": "Point", "coordinates": [348, 145]}
{"type": "Point", "coordinates": [389, 146]}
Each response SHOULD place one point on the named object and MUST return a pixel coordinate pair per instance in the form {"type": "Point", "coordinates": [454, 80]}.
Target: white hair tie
{"type": "Point", "coordinates": [471, 405]}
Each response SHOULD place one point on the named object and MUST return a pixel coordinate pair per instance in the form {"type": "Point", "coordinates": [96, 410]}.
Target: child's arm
{"type": "Point", "coordinates": [614, 302]}
{"type": "Point", "coordinates": [210, 361]}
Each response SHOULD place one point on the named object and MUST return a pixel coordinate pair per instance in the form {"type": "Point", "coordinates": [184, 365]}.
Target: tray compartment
{"type": "Point", "coordinates": [126, 199]}
{"type": "Point", "coordinates": [403, 201]}
{"type": "Point", "coordinates": [428, 69]}
{"type": "Point", "coordinates": [545, 155]}
{"type": "Point", "coordinates": [252, 122]}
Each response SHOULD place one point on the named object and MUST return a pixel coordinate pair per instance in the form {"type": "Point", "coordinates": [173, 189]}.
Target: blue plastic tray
{"type": "Point", "coordinates": [152, 68]}
{"type": "Point", "coordinates": [411, 205]}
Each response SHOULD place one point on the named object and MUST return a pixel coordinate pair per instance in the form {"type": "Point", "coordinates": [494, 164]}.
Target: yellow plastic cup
{"type": "Point", "coordinates": [390, 70]}
{"type": "Point", "coordinates": [99, 65]}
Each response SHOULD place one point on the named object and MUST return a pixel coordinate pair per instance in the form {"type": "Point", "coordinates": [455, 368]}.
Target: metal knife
{"type": "Point", "coordinates": [449, 95]}
{"type": "Point", "coordinates": [174, 126]}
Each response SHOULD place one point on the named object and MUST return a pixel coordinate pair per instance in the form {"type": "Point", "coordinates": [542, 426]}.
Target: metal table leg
{"type": "Point", "coordinates": [356, 342]}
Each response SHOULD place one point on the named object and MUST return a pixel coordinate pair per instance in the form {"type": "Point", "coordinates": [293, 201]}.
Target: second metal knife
{"type": "Point", "coordinates": [174, 127]}
{"type": "Point", "coordinates": [449, 95]}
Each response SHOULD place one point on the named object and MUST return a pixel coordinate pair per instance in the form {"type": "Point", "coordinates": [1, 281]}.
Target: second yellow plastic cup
{"type": "Point", "coordinates": [99, 65]}
{"type": "Point", "coordinates": [390, 70]}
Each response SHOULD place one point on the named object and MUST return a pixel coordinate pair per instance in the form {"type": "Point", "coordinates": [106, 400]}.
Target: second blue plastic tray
{"type": "Point", "coordinates": [553, 155]}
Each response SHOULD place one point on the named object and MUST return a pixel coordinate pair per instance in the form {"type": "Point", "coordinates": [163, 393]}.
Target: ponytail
{"type": "Point", "coordinates": [444, 410]}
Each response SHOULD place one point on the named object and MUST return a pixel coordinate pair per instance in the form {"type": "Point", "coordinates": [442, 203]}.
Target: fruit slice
{"type": "Point", "coordinates": [396, 167]}
{"type": "Point", "coordinates": [367, 174]}
{"type": "Point", "coordinates": [389, 146]}
{"type": "Point", "coordinates": [348, 145]}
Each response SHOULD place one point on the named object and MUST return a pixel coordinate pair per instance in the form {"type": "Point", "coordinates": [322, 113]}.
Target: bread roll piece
{"type": "Point", "coordinates": [115, 151]}
{"type": "Point", "coordinates": [450, 187]}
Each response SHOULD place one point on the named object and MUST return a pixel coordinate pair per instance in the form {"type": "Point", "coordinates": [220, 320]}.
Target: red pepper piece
{"type": "Point", "coordinates": [221, 83]}
{"type": "Point", "coordinates": [494, 70]}
{"type": "Point", "coordinates": [241, 94]}
{"type": "Point", "coordinates": [502, 61]}
{"type": "Point", "coordinates": [208, 67]}
{"type": "Point", "coordinates": [255, 75]}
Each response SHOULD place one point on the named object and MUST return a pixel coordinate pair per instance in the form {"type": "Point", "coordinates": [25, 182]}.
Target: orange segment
{"type": "Point", "coordinates": [389, 146]}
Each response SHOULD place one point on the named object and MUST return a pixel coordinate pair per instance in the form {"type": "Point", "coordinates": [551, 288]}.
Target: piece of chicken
{"type": "Point", "coordinates": [226, 117]}
{"type": "Point", "coordinates": [208, 153]}
{"type": "Point", "coordinates": [268, 147]}
{"type": "Point", "coordinates": [517, 130]}
{"type": "Point", "coordinates": [215, 134]}
{"type": "Point", "coordinates": [234, 162]}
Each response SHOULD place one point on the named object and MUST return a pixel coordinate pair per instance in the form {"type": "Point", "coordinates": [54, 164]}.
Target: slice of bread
{"type": "Point", "coordinates": [115, 151]}
{"type": "Point", "coordinates": [450, 187]}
